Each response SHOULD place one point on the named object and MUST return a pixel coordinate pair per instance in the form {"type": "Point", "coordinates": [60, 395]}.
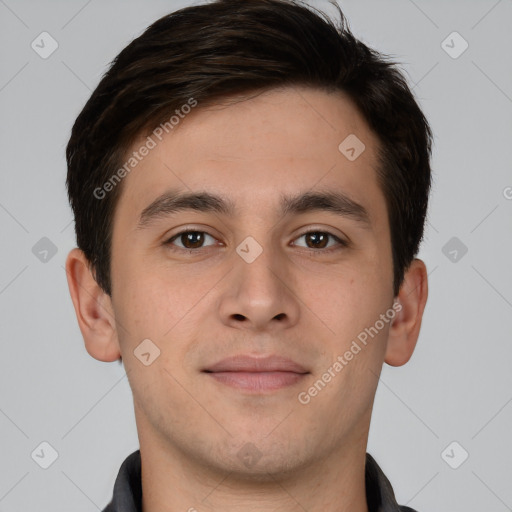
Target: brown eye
{"type": "Point", "coordinates": [189, 239]}
{"type": "Point", "coordinates": [320, 240]}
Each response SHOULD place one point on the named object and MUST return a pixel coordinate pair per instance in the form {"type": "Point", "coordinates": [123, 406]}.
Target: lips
{"type": "Point", "coordinates": [257, 375]}
{"type": "Point", "coordinates": [246, 363]}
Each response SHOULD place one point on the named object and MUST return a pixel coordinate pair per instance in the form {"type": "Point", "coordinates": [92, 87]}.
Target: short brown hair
{"type": "Point", "coordinates": [229, 48]}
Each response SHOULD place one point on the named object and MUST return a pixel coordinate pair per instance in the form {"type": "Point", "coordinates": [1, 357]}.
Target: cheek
{"type": "Point", "coordinates": [349, 297]}
{"type": "Point", "coordinates": [152, 309]}
{"type": "Point", "coordinates": [350, 305]}
{"type": "Point", "coordinates": [158, 303]}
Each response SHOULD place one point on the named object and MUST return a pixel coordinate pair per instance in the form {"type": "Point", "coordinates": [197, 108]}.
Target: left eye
{"type": "Point", "coordinates": [320, 238]}
{"type": "Point", "coordinates": [195, 239]}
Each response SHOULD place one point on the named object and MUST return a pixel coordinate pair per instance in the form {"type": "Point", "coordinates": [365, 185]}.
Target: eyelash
{"type": "Point", "coordinates": [342, 243]}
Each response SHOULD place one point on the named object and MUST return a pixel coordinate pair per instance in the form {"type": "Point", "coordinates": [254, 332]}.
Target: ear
{"type": "Point", "coordinates": [405, 327]}
{"type": "Point", "coordinates": [93, 308]}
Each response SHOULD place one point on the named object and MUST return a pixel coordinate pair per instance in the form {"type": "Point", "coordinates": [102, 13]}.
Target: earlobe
{"type": "Point", "coordinates": [410, 304]}
{"type": "Point", "coordinates": [93, 308]}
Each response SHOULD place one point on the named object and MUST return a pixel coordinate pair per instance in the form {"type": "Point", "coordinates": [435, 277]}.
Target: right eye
{"type": "Point", "coordinates": [191, 240]}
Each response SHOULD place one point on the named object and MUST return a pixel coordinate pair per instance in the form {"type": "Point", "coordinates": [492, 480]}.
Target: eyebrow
{"type": "Point", "coordinates": [174, 201]}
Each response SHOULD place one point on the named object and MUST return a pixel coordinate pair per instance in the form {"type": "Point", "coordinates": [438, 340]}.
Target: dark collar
{"type": "Point", "coordinates": [127, 495]}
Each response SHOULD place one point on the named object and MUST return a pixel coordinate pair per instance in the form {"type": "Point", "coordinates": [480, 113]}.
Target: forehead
{"type": "Point", "coordinates": [256, 150]}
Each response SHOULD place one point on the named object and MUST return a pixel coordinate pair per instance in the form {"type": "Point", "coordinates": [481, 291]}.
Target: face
{"type": "Point", "coordinates": [204, 283]}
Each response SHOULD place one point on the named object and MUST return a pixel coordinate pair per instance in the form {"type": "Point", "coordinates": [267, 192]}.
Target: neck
{"type": "Point", "coordinates": [172, 481]}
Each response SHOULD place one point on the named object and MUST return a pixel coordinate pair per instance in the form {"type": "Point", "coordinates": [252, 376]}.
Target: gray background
{"type": "Point", "coordinates": [458, 384]}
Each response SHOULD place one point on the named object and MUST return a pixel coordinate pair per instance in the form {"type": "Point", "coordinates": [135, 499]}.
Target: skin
{"type": "Point", "coordinates": [292, 300]}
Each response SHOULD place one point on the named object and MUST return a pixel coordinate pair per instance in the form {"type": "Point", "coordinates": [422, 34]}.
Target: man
{"type": "Point", "coordinates": [250, 184]}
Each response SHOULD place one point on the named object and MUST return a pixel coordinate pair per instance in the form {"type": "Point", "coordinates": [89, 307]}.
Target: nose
{"type": "Point", "coordinates": [260, 294]}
